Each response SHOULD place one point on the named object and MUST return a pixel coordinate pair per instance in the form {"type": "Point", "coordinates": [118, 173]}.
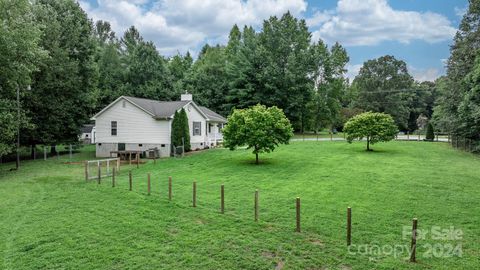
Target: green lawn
{"type": "Point", "coordinates": [51, 218]}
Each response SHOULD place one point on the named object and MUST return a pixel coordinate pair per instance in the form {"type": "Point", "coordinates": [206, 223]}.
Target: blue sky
{"type": "Point", "coordinates": [416, 31]}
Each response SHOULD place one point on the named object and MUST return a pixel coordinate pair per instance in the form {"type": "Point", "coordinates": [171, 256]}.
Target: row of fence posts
{"type": "Point", "coordinates": [466, 144]}
{"type": "Point", "coordinates": [256, 208]}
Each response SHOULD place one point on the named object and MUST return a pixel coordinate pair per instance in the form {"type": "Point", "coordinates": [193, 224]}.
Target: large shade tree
{"type": "Point", "coordinates": [20, 55]}
{"type": "Point", "coordinates": [384, 85]}
{"type": "Point", "coordinates": [259, 128]}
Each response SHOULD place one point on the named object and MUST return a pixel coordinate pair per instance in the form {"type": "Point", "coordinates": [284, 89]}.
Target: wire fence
{"type": "Point", "coordinates": [465, 144]}
{"type": "Point", "coordinates": [41, 152]}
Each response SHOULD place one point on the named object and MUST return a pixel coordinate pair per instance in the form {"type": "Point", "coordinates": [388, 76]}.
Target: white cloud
{"type": "Point", "coordinates": [184, 25]}
{"type": "Point", "coordinates": [460, 11]}
{"type": "Point", "coordinates": [352, 71]}
{"type": "Point", "coordinates": [428, 74]}
{"type": "Point", "coordinates": [369, 22]}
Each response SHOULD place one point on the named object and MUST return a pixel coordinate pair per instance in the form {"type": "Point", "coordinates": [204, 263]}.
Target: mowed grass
{"type": "Point", "coordinates": [50, 218]}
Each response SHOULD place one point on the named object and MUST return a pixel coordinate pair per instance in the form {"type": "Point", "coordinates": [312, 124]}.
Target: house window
{"type": "Point", "coordinates": [209, 128]}
{"type": "Point", "coordinates": [220, 127]}
{"type": "Point", "coordinates": [197, 128]}
{"type": "Point", "coordinates": [114, 128]}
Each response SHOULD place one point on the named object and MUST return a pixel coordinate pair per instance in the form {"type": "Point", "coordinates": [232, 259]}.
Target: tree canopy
{"type": "Point", "coordinates": [374, 127]}
{"type": "Point", "coordinates": [259, 127]}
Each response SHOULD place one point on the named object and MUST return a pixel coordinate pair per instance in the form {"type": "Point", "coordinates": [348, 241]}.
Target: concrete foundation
{"type": "Point", "coordinates": [103, 149]}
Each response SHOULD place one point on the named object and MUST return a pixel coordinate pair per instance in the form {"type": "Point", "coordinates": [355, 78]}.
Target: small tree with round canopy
{"type": "Point", "coordinates": [375, 127]}
{"type": "Point", "coordinates": [257, 127]}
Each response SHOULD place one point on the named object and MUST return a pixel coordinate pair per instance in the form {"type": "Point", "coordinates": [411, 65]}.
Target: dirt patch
{"type": "Point", "coordinates": [316, 242]}
{"type": "Point", "coordinates": [268, 254]}
{"type": "Point", "coordinates": [73, 163]}
{"type": "Point", "coordinates": [200, 221]}
{"type": "Point", "coordinates": [280, 265]}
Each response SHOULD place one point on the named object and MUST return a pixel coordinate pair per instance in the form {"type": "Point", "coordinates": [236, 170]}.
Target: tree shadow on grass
{"type": "Point", "coordinates": [250, 162]}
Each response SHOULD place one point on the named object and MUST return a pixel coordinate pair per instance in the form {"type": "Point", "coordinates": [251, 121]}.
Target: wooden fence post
{"type": "Point", "coordinates": [298, 214]}
{"type": "Point", "coordinates": [113, 177]}
{"type": "Point", "coordinates": [148, 184]}
{"type": "Point", "coordinates": [194, 199]}
{"type": "Point", "coordinates": [169, 188]}
{"type": "Point", "coordinates": [138, 160]}
{"type": "Point", "coordinates": [256, 205]}
{"type": "Point", "coordinates": [222, 199]}
{"type": "Point", "coordinates": [118, 164]}
{"type": "Point", "coordinates": [99, 172]}
{"type": "Point", "coordinates": [349, 226]}
{"type": "Point", "coordinates": [130, 180]}
{"type": "Point", "coordinates": [413, 246]}
{"type": "Point", "coordinates": [86, 171]}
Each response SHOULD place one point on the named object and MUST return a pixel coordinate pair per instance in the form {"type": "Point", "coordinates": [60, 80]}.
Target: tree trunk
{"type": "Point", "coordinates": [53, 150]}
{"type": "Point", "coordinates": [368, 144]}
{"type": "Point", "coordinates": [32, 151]}
{"type": "Point", "coordinates": [256, 158]}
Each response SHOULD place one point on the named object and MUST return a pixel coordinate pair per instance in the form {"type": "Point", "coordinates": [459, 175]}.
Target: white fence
{"type": "Point", "coordinates": [96, 169]}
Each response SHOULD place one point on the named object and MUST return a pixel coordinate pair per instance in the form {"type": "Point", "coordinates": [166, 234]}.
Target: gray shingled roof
{"type": "Point", "coordinates": [160, 109]}
{"type": "Point", "coordinates": [213, 115]}
{"type": "Point", "coordinates": [166, 109]}
{"type": "Point", "coordinates": [87, 128]}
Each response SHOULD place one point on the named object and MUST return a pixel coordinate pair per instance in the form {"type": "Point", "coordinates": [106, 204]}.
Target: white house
{"type": "Point", "coordinates": [138, 124]}
{"type": "Point", "coordinates": [87, 134]}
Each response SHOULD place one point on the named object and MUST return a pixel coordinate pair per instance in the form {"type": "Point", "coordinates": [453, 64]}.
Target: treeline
{"type": "Point", "coordinates": [458, 106]}
{"type": "Point", "coordinates": [66, 67]}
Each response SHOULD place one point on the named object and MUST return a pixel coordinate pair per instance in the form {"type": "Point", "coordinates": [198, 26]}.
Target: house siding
{"type": "Point", "coordinates": [134, 127]}
{"type": "Point", "coordinates": [197, 141]}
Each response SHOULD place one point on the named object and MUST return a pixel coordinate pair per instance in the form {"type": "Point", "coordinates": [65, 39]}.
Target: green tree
{"type": "Point", "coordinates": [384, 85]}
{"type": "Point", "coordinates": [455, 111]}
{"type": "Point", "coordinates": [242, 72]}
{"type": "Point", "coordinates": [185, 129]}
{"type": "Point", "coordinates": [207, 79]}
{"type": "Point", "coordinates": [180, 131]}
{"type": "Point", "coordinates": [259, 128]}
{"type": "Point", "coordinates": [469, 107]}
{"type": "Point", "coordinates": [430, 133]}
{"type": "Point", "coordinates": [108, 59]}
{"type": "Point", "coordinates": [176, 134]}
{"type": "Point", "coordinates": [61, 98]}
{"type": "Point", "coordinates": [286, 65]}
{"type": "Point", "coordinates": [329, 84]}
{"type": "Point", "coordinates": [375, 127]}
{"type": "Point", "coordinates": [147, 75]}
{"type": "Point", "coordinates": [178, 67]}
{"type": "Point", "coordinates": [20, 56]}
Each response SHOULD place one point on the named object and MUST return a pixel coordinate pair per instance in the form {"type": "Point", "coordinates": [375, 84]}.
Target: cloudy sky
{"type": "Point", "coordinates": [416, 31]}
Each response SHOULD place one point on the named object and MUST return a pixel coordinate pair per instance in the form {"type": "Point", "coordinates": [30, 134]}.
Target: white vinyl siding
{"type": "Point", "coordinates": [133, 126]}
{"type": "Point", "coordinates": [195, 116]}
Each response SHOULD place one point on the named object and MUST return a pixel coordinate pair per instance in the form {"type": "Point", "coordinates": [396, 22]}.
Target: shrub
{"type": "Point", "coordinates": [430, 134]}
